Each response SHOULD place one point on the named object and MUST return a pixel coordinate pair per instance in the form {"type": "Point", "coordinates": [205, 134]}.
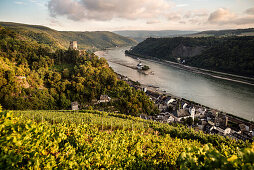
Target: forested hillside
{"type": "Point", "coordinates": [231, 32]}
{"type": "Point", "coordinates": [33, 77]}
{"type": "Point", "coordinates": [227, 54]}
{"type": "Point", "coordinates": [61, 39]}
{"type": "Point", "coordinates": [141, 35]}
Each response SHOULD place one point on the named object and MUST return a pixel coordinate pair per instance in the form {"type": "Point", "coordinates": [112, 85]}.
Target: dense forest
{"type": "Point", "coordinates": [227, 54]}
{"type": "Point", "coordinates": [93, 41]}
{"type": "Point", "coordinates": [33, 76]}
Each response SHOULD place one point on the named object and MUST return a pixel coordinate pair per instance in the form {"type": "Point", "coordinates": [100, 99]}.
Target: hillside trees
{"type": "Point", "coordinates": [34, 77]}
{"type": "Point", "coordinates": [226, 54]}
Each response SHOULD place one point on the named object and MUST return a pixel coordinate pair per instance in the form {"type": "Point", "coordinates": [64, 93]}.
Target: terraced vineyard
{"type": "Point", "coordinates": [93, 140]}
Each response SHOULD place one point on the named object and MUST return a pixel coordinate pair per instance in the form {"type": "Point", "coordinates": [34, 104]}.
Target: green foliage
{"type": "Point", "coordinates": [46, 144]}
{"type": "Point", "coordinates": [232, 32]}
{"type": "Point", "coordinates": [226, 54]}
{"type": "Point", "coordinates": [60, 39]}
{"type": "Point", "coordinates": [207, 157]}
{"type": "Point", "coordinates": [93, 140]}
{"type": "Point", "coordinates": [145, 67]}
{"type": "Point", "coordinates": [34, 77]}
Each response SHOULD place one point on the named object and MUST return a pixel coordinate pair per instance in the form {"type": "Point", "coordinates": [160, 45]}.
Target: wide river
{"type": "Point", "coordinates": [224, 95]}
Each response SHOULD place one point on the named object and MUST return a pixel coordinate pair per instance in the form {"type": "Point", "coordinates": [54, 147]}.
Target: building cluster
{"type": "Point", "coordinates": [179, 110]}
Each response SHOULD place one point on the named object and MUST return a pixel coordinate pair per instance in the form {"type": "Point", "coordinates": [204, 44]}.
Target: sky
{"type": "Point", "coordinates": [112, 15]}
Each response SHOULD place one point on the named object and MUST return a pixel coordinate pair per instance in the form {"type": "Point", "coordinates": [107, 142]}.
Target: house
{"type": "Point", "coordinates": [179, 114]}
{"type": "Point", "coordinates": [144, 89]}
{"type": "Point", "coordinates": [244, 127]}
{"type": "Point", "coordinates": [104, 99]}
{"type": "Point", "coordinates": [169, 101]}
{"type": "Point", "coordinates": [140, 65]}
{"type": "Point", "coordinates": [185, 105]}
{"type": "Point", "coordinates": [201, 111]}
{"type": "Point", "coordinates": [162, 107]}
{"type": "Point", "coordinates": [94, 101]}
{"type": "Point", "coordinates": [208, 128]}
{"type": "Point", "coordinates": [74, 105]}
{"type": "Point", "coordinates": [225, 130]}
{"type": "Point", "coordinates": [143, 116]}
{"type": "Point", "coordinates": [170, 119]}
{"type": "Point", "coordinates": [153, 95]}
{"type": "Point", "coordinates": [221, 130]}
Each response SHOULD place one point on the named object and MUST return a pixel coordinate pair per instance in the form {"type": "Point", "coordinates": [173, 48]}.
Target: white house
{"type": "Point", "coordinates": [223, 130]}
{"type": "Point", "coordinates": [185, 105]}
{"type": "Point", "coordinates": [170, 119]}
{"type": "Point", "coordinates": [104, 99]}
{"type": "Point", "coordinates": [74, 105]}
{"type": "Point", "coordinates": [140, 65]}
{"type": "Point", "coordinates": [170, 101]}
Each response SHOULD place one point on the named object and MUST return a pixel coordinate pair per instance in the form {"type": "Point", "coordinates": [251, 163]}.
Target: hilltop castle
{"type": "Point", "coordinates": [74, 45]}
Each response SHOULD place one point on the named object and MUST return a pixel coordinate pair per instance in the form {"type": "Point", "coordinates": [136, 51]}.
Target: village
{"type": "Point", "coordinates": [173, 109]}
{"type": "Point", "coordinates": [178, 110]}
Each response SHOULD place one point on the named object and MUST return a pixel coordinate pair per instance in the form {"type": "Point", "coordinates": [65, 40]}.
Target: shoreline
{"type": "Point", "coordinates": [210, 73]}
{"type": "Point", "coordinates": [158, 90]}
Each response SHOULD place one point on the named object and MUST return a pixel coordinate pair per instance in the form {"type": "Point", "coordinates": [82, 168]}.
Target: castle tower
{"type": "Point", "coordinates": [74, 45]}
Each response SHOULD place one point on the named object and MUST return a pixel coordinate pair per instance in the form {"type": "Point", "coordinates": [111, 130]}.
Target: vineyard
{"type": "Point", "coordinates": [94, 140]}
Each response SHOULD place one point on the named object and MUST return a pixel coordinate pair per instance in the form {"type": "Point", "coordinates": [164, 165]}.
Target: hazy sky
{"type": "Point", "coordinates": [89, 15]}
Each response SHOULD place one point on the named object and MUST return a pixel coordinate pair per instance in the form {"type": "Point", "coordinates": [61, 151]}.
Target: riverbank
{"type": "Point", "coordinates": [211, 73]}
{"type": "Point", "coordinates": [206, 118]}
{"type": "Point", "coordinates": [227, 96]}
{"type": "Point", "coordinates": [157, 90]}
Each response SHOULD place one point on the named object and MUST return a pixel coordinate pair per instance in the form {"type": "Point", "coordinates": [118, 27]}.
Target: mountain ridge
{"type": "Point", "coordinates": [91, 40]}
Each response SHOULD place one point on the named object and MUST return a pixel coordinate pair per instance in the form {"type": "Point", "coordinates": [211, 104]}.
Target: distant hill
{"type": "Point", "coordinates": [230, 32]}
{"type": "Point", "coordinates": [233, 54]}
{"type": "Point", "coordinates": [140, 35]}
{"type": "Point", "coordinates": [60, 39]}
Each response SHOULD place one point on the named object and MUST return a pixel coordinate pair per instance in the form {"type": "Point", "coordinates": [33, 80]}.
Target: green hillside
{"type": "Point", "coordinates": [60, 39]}
{"type": "Point", "coordinates": [34, 77]}
{"type": "Point", "coordinates": [231, 32]}
{"type": "Point", "coordinates": [234, 54]}
{"type": "Point", "coordinates": [141, 35]}
{"type": "Point", "coordinates": [100, 140]}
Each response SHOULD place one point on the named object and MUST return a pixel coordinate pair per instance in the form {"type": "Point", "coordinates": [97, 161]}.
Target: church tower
{"type": "Point", "coordinates": [193, 110]}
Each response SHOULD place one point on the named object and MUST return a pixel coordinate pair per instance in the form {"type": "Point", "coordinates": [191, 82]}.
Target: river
{"type": "Point", "coordinates": [231, 97]}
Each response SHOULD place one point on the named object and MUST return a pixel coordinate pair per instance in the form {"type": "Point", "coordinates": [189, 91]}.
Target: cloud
{"type": "Point", "coordinates": [182, 5]}
{"type": "Point", "coordinates": [224, 16]}
{"type": "Point", "coordinates": [221, 15]}
{"type": "Point", "coordinates": [19, 2]}
{"type": "Point", "coordinates": [250, 11]}
{"type": "Point", "coordinates": [174, 17]}
{"type": "Point", "coordinates": [106, 10]}
{"type": "Point", "coordinates": [153, 22]}
{"type": "Point", "coordinates": [37, 2]}
{"type": "Point", "coordinates": [53, 22]}
{"type": "Point", "coordinates": [196, 13]}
